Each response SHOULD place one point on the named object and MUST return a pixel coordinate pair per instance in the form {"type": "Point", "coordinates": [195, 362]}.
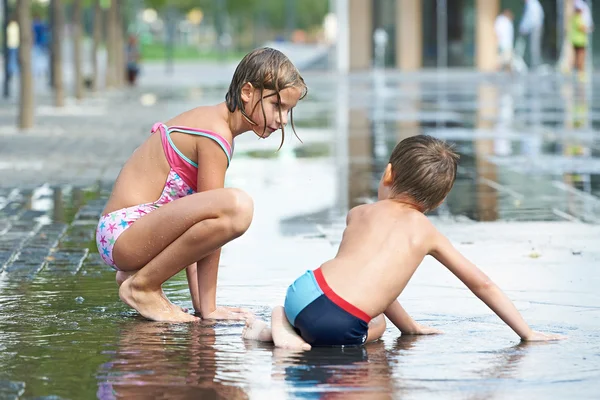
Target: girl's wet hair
{"type": "Point", "coordinates": [269, 69]}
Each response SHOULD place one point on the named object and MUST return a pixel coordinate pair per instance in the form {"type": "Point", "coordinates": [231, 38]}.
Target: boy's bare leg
{"type": "Point", "coordinates": [283, 333]}
{"type": "Point", "coordinates": [256, 329]}
{"type": "Point", "coordinates": [376, 328]}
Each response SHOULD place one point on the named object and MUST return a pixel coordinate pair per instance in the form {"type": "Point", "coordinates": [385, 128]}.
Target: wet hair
{"type": "Point", "coordinates": [265, 69]}
{"type": "Point", "coordinates": [423, 168]}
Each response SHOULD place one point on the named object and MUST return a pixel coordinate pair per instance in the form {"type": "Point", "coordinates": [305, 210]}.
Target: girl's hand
{"type": "Point", "coordinates": [230, 313]}
{"type": "Point", "coordinates": [542, 337]}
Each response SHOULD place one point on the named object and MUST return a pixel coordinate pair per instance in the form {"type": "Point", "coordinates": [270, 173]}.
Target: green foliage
{"type": "Point", "coordinates": [307, 13]}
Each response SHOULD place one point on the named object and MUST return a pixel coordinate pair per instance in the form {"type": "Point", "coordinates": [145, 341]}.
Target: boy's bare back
{"type": "Point", "coordinates": [382, 246]}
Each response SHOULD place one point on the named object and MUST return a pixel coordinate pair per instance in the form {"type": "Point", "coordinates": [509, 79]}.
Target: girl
{"type": "Point", "coordinates": [169, 210]}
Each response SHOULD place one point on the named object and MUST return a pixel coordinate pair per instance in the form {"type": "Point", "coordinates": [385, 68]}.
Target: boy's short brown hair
{"type": "Point", "coordinates": [423, 168]}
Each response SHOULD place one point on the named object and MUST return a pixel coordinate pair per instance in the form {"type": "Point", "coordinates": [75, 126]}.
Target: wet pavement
{"type": "Point", "coordinates": [525, 208]}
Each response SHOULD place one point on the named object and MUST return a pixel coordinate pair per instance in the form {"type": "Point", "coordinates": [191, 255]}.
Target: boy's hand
{"type": "Point", "coordinates": [542, 337]}
{"type": "Point", "coordinates": [423, 330]}
{"type": "Point", "coordinates": [232, 313]}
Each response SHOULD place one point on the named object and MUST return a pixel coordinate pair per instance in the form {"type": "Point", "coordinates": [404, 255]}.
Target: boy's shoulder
{"type": "Point", "coordinates": [390, 211]}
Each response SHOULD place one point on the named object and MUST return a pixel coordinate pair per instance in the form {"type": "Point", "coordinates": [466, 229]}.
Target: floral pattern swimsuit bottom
{"type": "Point", "coordinates": [180, 182]}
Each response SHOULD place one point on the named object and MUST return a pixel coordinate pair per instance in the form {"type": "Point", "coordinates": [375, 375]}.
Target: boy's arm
{"type": "Point", "coordinates": [483, 288]}
{"type": "Point", "coordinates": [408, 326]}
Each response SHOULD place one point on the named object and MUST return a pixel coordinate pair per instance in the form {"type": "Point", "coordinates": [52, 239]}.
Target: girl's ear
{"type": "Point", "coordinates": [247, 92]}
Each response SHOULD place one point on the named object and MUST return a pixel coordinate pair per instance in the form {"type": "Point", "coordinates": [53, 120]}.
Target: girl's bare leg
{"type": "Point", "coordinates": [169, 239]}
{"type": "Point", "coordinates": [122, 276]}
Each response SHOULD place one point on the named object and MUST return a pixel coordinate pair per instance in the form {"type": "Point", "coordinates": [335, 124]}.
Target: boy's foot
{"type": "Point", "coordinates": [256, 329]}
{"type": "Point", "coordinates": [283, 333]}
{"type": "Point", "coordinates": [152, 305]}
{"type": "Point", "coordinates": [122, 276]}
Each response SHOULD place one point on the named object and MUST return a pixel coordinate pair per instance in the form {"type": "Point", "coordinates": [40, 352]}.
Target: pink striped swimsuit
{"type": "Point", "coordinates": [180, 182]}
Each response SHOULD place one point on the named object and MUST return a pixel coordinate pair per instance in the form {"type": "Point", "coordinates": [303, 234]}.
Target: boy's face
{"type": "Point", "coordinates": [385, 184]}
{"type": "Point", "coordinates": [271, 106]}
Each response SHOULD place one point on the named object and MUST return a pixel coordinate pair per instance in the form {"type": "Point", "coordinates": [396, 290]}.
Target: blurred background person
{"type": "Point", "coordinates": [41, 41]}
{"type": "Point", "coordinates": [12, 42]}
{"type": "Point", "coordinates": [580, 25]}
{"type": "Point", "coordinates": [504, 30]}
{"type": "Point", "coordinates": [133, 59]}
{"type": "Point", "coordinates": [532, 25]}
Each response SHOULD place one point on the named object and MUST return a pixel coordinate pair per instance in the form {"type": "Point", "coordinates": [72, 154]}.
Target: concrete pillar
{"type": "Point", "coordinates": [409, 35]}
{"type": "Point", "coordinates": [361, 33]}
{"type": "Point", "coordinates": [485, 38]}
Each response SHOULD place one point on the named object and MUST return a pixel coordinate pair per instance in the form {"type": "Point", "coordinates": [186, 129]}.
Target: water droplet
{"type": "Point", "coordinates": [79, 299]}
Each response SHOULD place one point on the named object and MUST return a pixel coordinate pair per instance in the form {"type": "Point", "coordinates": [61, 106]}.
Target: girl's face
{"type": "Point", "coordinates": [276, 112]}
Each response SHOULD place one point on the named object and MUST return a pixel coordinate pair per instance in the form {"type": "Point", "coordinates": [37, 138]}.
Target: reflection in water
{"type": "Point", "coordinates": [342, 373]}
{"type": "Point", "coordinates": [360, 160]}
{"type": "Point", "coordinates": [341, 144]}
{"type": "Point", "coordinates": [378, 371]}
{"type": "Point", "coordinates": [487, 195]}
{"type": "Point", "coordinates": [155, 360]}
{"type": "Point", "coordinates": [517, 162]}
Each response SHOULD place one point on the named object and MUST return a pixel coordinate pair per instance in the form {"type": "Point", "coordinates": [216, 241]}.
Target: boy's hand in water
{"type": "Point", "coordinates": [542, 337]}
{"type": "Point", "coordinates": [232, 313]}
{"type": "Point", "coordinates": [423, 330]}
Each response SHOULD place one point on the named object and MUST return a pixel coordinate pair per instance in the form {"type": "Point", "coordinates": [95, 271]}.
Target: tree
{"type": "Point", "coordinates": [26, 103]}
{"type": "Point", "coordinates": [111, 44]}
{"type": "Point", "coordinates": [96, 40]}
{"type": "Point", "coordinates": [58, 24]}
{"type": "Point", "coordinates": [119, 45]}
{"type": "Point", "coordinates": [77, 34]}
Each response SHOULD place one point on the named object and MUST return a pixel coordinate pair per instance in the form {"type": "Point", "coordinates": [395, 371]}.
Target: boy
{"type": "Point", "coordinates": [382, 246]}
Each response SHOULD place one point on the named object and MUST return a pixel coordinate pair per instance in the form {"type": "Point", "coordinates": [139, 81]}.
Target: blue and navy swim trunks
{"type": "Point", "coordinates": [321, 317]}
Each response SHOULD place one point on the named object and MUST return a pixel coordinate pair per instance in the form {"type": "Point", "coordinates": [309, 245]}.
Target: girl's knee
{"type": "Point", "coordinates": [238, 209]}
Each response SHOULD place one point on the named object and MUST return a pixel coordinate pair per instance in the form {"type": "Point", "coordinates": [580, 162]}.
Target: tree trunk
{"type": "Point", "coordinates": [7, 74]}
{"type": "Point", "coordinates": [97, 38]}
{"type": "Point", "coordinates": [58, 24]}
{"type": "Point", "coordinates": [120, 48]}
{"type": "Point", "coordinates": [111, 45]}
{"type": "Point", "coordinates": [26, 81]}
{"type": "Point", "coordinates": [77, 28]}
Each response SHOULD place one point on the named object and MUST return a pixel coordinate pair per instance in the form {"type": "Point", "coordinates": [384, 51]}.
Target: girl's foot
{"type": "Point", "coordinates": [122, 276]}
{"type": "Point", "coordinates": [152, 304]}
